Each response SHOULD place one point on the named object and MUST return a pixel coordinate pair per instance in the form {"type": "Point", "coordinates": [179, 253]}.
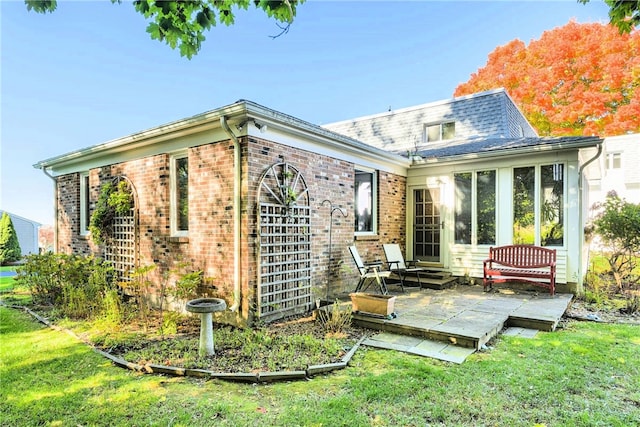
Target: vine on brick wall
{"type": "Point", "coordinates": [115, 199]}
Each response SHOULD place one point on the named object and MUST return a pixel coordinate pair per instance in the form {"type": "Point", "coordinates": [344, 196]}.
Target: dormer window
{"type": "Point", "coordinates": [440, 131]}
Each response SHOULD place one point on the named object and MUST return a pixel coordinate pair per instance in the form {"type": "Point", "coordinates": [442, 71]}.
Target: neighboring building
{"type": "Point", "coordinates": [617, 169]}
{"type": "Point", "coordinates": [27, 232]}
{"type": "Point", "coordinates": [246, 194]}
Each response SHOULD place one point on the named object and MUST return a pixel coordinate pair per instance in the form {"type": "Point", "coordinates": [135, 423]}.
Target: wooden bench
{"type": "Point", "coordinates": [521, 263]}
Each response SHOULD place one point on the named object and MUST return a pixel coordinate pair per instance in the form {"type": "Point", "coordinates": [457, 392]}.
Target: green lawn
{"type": "Point", "coordinates": [6, 283]}
{"type": "Point", "coordinates": [586, 374]}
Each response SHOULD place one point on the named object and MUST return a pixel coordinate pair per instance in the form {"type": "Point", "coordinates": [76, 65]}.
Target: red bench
{"type": "Point", "coordinates": [521, 263]}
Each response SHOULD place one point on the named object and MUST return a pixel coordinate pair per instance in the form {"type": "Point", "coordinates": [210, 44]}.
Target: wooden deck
{"type": "Point", "coordinates": [467, 317]}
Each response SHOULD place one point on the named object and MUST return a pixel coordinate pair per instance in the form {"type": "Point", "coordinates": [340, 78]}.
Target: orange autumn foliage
{"type": "Point", "coordinates": [578, 79]}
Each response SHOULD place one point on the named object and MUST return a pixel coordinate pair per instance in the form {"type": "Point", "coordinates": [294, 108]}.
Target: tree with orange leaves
{"type": "Point", "coordinates": [578, 79]}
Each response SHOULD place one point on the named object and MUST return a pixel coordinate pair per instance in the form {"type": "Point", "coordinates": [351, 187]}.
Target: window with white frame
{"type": "Point", "coordinates": [179, 188]}
{"type": "Point", "coordinates": [538, 205]}
{"type": "Point", "coordinates": [614, 161]}
{"type": "Point", "coordinates": [475, 207]}
{"type": "Point", "coordinates": [365, 189]}
{"type": "Point", "coordinates": [440, 131]}
{"type": "Point", "coordinates": [85, 203]}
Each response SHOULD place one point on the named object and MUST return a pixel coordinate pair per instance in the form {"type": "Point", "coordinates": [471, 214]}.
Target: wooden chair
{"type": "Point", "coordinates": [398, 266]}
{"type": "Point", "coordinates": [369, 273]}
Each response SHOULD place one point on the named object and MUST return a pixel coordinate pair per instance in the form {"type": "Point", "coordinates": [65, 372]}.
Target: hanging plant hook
{"type": "Point", "coordinates": [344, 213]}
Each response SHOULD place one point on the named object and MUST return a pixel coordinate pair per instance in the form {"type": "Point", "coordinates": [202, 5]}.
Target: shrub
{"type": "Point", "coordinates": [9, 245]}
{"type": "Point", "coordinates": [618, 224]}
{"type": "Point", "coordinates": [74, 284]}
{"type": "Point", "coordinates": [334, 321]}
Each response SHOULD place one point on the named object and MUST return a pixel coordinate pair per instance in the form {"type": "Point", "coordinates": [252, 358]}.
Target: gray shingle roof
{"type": "Point", "coordinates": [500, 146]}
{"type": "Point", "coordinates": [490, 114]}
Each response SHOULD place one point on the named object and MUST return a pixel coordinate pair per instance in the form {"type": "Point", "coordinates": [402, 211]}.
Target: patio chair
{"type": "Point", "coordinates": [369, 273]}
{"type": "Point", "coordinates": [398, 266]}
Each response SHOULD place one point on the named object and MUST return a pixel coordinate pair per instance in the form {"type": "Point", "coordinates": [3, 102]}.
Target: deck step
{"type": "Point", "coordinates": [438, 283]}
{"type": "Point", "coordinates": [431, 282]}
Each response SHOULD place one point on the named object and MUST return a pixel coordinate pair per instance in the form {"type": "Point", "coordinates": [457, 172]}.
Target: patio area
{"type": "Point", "coordinates": [451, 324]}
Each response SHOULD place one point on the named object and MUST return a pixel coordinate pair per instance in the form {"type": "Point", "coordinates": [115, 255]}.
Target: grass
{"type": "Point", "coordinates": [586, 374]}
{"type": "Point", "coordinates": [6, 283]}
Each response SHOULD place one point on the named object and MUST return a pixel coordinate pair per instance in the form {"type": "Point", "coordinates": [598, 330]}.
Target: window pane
{"type": "Point", "coordinates": [551, 205]}
{"type": "Point", "coordinates": [182, 193]}
{"type": "Point", "coordinates": [524, 205]}
{"type": "Point", "coordinates": [615, 161]}
{"type": "Point", "coordinates": [486, 207]}
{"type": "Point", "coordinates": [448, 130]}
{"type": "Point", "coordinates": [462, 210]}
{"type": "Point", "coordinates": [363, 201]}
{"type": "Point", "coordinates": [433, 133]}
{"type": "Point", "coordinates": [87, 203]}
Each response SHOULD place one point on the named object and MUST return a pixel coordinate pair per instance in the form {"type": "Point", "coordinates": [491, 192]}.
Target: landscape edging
{"type": "Point", "coordinates": [253, 377]}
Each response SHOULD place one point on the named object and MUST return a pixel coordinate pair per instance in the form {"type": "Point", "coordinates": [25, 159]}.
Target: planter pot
{"type": "Point", "coordinates": [381, 305]}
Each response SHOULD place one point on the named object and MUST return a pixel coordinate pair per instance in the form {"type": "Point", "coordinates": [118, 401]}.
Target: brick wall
{"type": "Point", "coordinates": [209, 246]}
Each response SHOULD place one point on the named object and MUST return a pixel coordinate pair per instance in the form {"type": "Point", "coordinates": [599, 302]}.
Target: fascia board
{"type": "Point", "coordinates": [133, 152]}
{"type": "Point", "coordinates": [288, 130]}
{"type": "Point", "coordinates": [205, 128]}
{"type": "Point", "coordinates": [510, 152]}
{"type": "Point", "coordinates": [133, 145]}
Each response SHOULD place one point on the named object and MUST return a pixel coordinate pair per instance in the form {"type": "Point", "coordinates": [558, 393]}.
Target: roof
{"type": "Point", "coordinates": [163, 138]}
{"type": "Point", "coordinates": [488, 147]}
{"type": "Point", "coordinates": [489, 114]}
{"type": "Point", "coordinates": [18, 217]}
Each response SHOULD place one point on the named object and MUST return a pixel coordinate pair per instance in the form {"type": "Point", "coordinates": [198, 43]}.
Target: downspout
{"type": "Point", "coordinates": [237, 264]}
{"type": "Point", "coordinates": [580, 209]}
{"type": "Point", "coordinates": [55, 209]}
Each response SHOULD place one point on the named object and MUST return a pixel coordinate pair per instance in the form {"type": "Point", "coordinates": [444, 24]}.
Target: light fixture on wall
{"type": "Point", "coordinates": [261, 126]}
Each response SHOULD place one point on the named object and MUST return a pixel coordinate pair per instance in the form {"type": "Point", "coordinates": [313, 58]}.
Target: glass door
{"type": "Point", "coordinates": [427, 225]}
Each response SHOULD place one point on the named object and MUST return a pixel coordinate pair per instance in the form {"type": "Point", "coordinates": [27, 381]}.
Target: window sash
{"type": "Point", "coordinates": [614, 160]}
{"type": "Point", "coordinates": [179, 195]}
{"type": "Point", "coordinates": [365, 212]}
{"type": "Point", "coordinates": [85, 203]}
{"type": "Point", "coordinates": [538, 205]}
{"type": "Point", "coordinates": [440, 131]}
{"type": "Point", "coordinates": [475, 207]}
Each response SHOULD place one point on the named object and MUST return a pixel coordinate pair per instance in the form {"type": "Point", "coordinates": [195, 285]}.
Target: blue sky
{"type": "Point", "coordinates": [89, 73]}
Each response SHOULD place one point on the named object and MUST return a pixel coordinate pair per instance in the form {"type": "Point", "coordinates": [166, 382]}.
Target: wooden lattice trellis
{"type": "Point", "coordinates": [284, 259]}
{"type": "Point", "coordinates": [121, 248]}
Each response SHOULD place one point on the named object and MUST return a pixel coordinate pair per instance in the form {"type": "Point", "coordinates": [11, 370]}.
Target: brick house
{"type": "Point", "coordinates": [248, 195]}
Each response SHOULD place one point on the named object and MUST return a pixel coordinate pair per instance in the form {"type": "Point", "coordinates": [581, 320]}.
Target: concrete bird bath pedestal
{"type": "Point", "coordinates": [205, 307]}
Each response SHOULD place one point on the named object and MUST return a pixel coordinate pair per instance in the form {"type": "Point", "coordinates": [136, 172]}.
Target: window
{"type": "Point", "coordinates": [85, 203]}
{"type": "Point", "coordinates": [365, 201]}
{"type": "Point", "coordinates": [440, 131]}
{"type": "Point", "coordinates": [614, 161]}
{"type": "Point", "coordinates": [475, 207]}
{"type": "Point", "coordinates": [538, 205]}
{"type": "Point", "coordinates": [180, 195]}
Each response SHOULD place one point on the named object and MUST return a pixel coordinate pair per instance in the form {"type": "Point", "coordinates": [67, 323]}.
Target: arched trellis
{"type": "Point", "coordinates": [122, 244]}
{"type": "Point", "coordinates": [284, 249]}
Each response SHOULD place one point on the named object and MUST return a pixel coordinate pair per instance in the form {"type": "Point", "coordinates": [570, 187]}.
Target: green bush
{"type": "Point", "coordinates": [9, 246]}
{"type": "Point", "coordinates": [73, 284]}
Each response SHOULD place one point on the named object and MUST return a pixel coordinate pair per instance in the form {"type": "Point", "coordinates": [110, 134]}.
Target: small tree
{"type": "Point", "coordinates": [618, 224]}
{"type": "Point", "coordinates": [9, 246]}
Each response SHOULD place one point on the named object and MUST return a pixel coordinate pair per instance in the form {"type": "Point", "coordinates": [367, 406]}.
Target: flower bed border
{"type": "Point", "coordinates": [250, 377]}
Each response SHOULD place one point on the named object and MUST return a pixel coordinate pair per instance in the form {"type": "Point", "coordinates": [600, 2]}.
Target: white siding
{"type": "Point", "coordinates": [27, 232]}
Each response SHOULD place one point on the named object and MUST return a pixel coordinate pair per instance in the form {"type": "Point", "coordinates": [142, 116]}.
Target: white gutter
{"type": "Point", "coordinates": [55, 210]}
{"type": "Point", "coordinates": [580, 207]}
{"type": "Point", "coordinates": [237, 200]}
